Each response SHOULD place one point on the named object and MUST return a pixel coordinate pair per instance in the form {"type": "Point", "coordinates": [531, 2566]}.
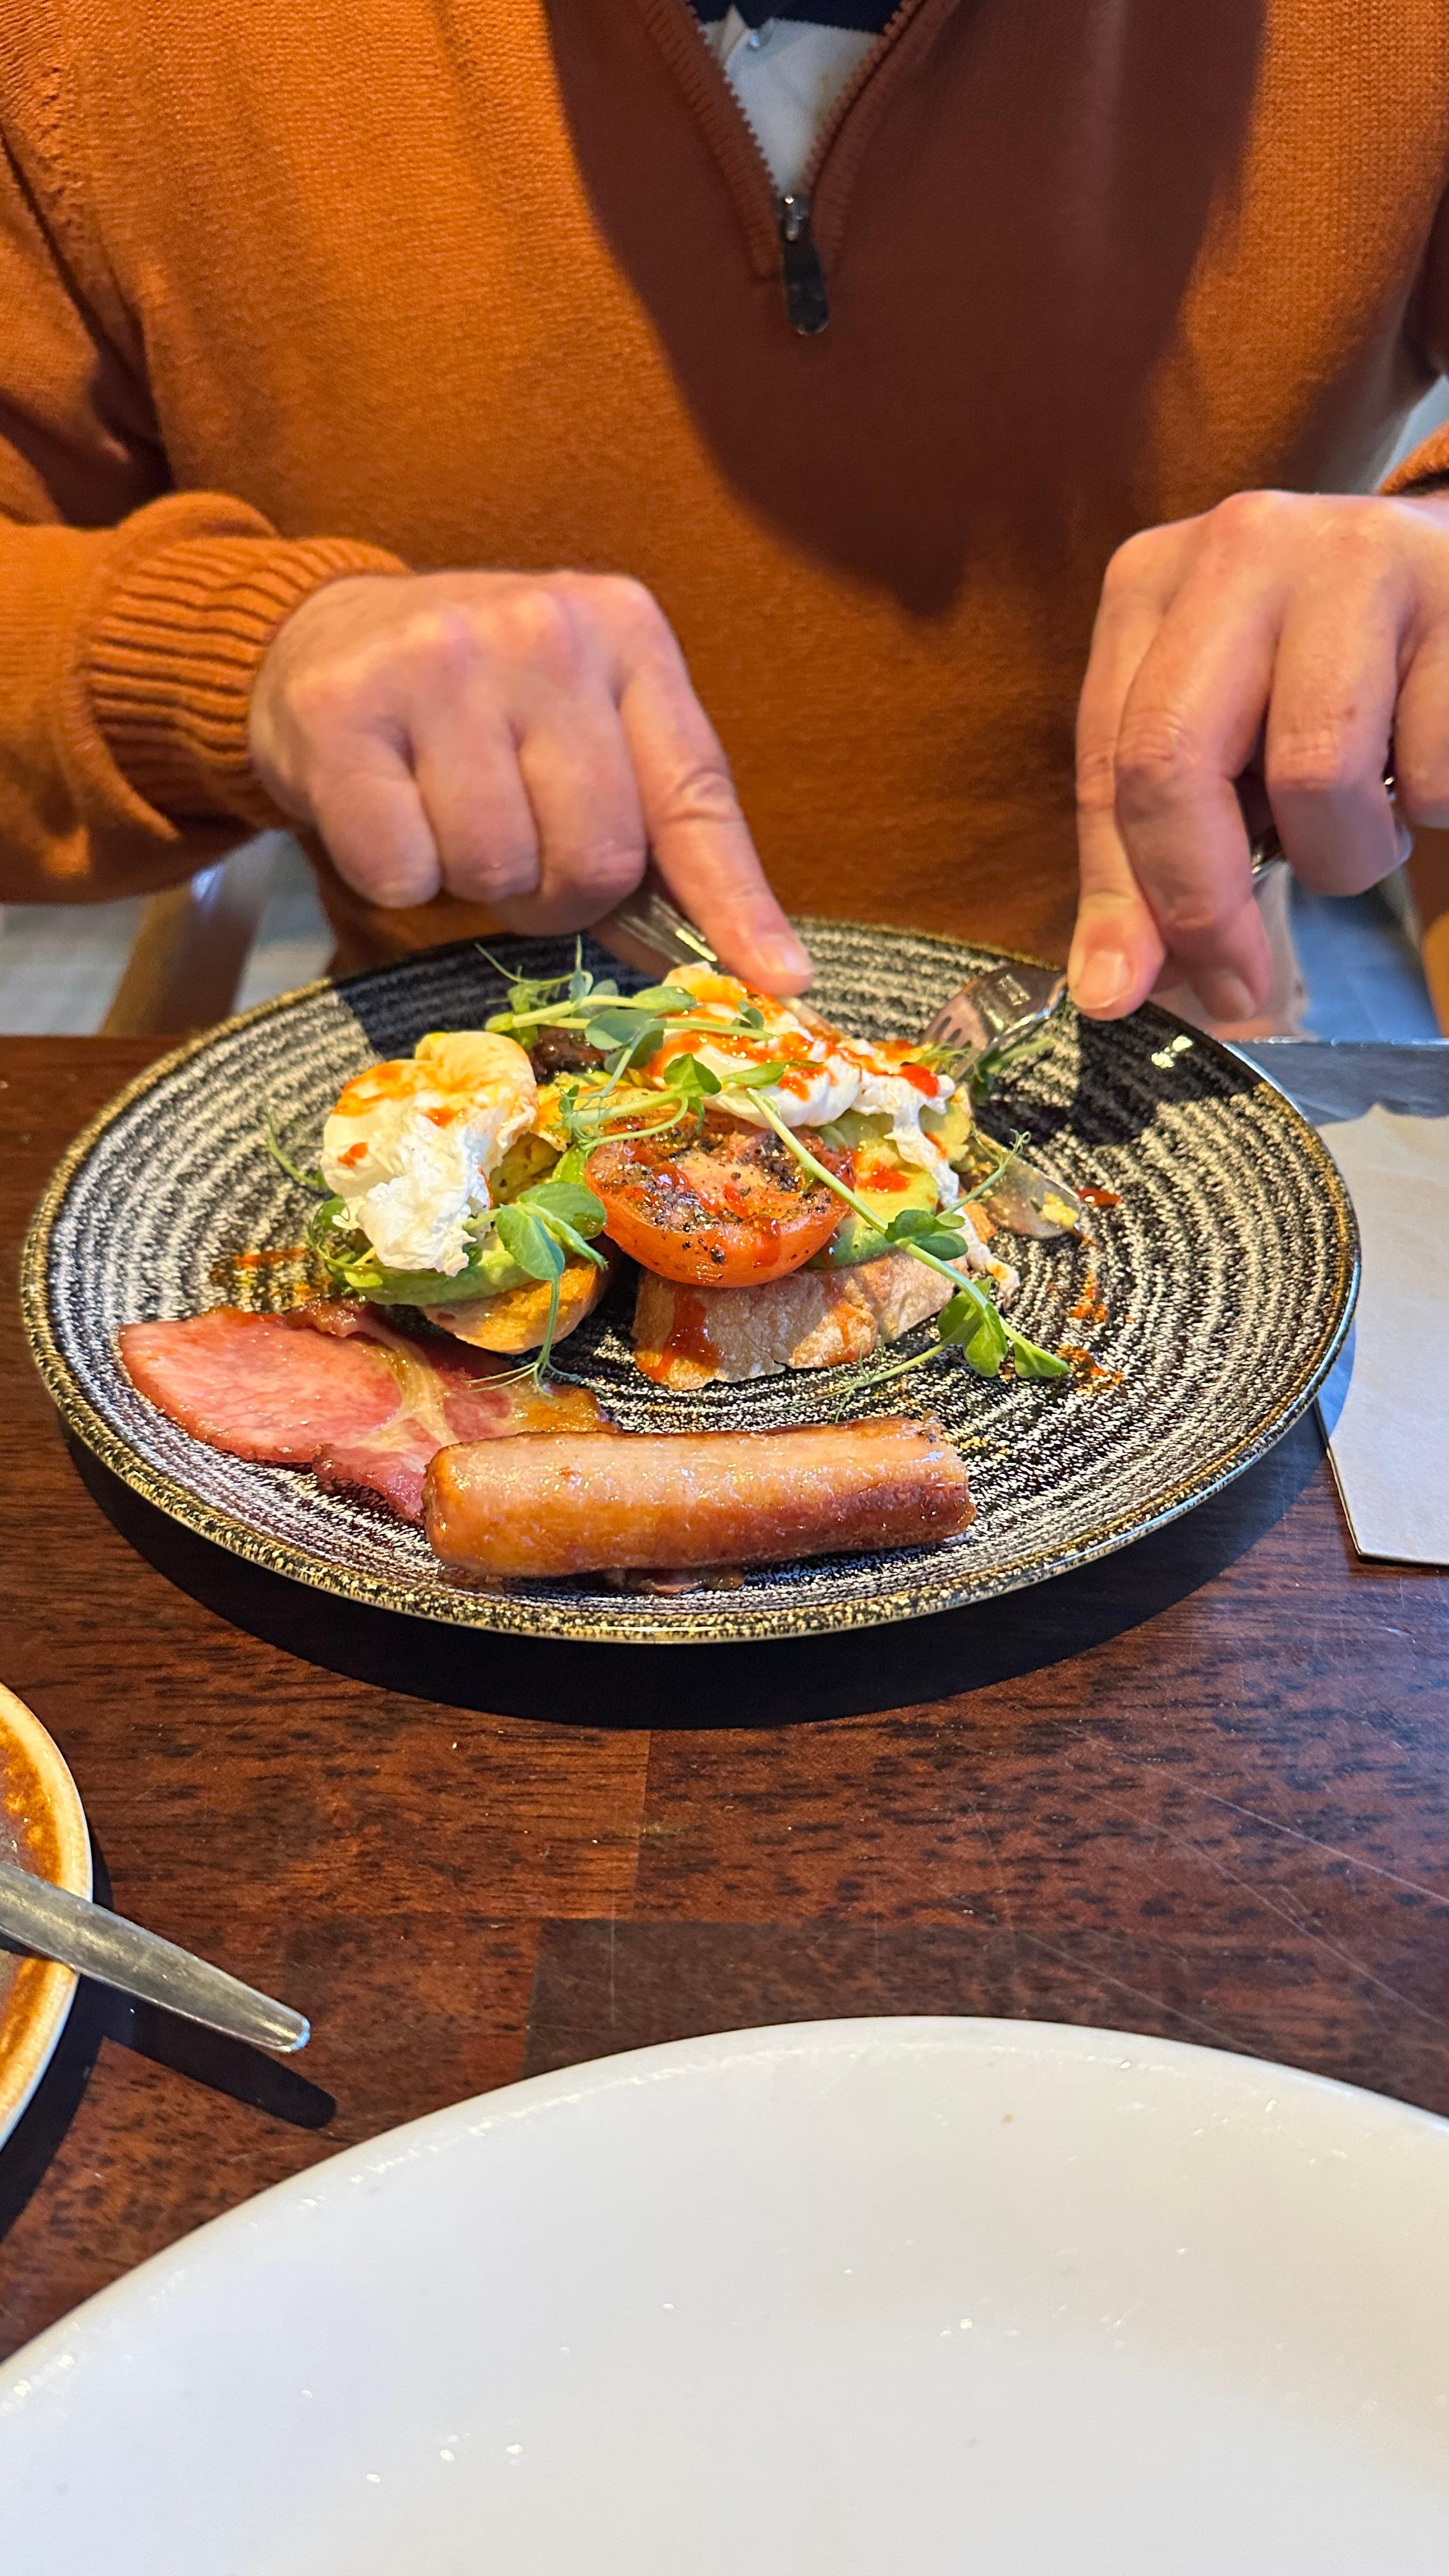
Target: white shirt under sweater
{"type": "Point", "coordinates": [787, 76]}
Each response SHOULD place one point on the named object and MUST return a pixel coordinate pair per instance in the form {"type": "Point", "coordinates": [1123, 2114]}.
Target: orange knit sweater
{"type": "Point", "coordinates": [287, 291]}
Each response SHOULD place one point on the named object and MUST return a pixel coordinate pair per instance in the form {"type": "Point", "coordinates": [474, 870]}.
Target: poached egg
{"type": "Point", "coordinates": [411, 1145]}
{"type": "Point", "coordinates": [825, 1073]}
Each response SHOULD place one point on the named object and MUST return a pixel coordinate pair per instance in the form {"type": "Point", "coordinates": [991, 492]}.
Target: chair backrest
{"type": "Point", "coordinates": [191, 949]}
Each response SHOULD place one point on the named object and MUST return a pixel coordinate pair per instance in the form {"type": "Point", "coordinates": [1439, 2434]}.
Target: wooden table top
{"type": "Point", "coordinates": [1200, 1790]}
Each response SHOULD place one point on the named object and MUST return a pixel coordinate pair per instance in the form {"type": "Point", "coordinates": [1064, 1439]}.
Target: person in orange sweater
{"type": "Point", "coordinates": [504, 441]}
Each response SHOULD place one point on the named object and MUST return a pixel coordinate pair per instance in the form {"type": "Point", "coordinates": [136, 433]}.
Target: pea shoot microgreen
{"type": "Point", "coordinates": [972, 1320]}
{"type": "Point", "coordinates": [272, 1144]}
{"type": "Point", "coordinates": [693, 1081]}
{"type": "Point", "coordinates": [625, 1029]}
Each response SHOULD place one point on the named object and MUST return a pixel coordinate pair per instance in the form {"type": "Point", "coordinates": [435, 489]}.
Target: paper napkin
{"type": "Point", "coordinates": [1386, 1407]}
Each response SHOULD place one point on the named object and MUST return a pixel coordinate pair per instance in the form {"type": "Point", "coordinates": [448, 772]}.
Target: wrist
{"type": "Point", "coordinates": [174, 647]}
{"type": "Point", "coordinates": [328, 612]}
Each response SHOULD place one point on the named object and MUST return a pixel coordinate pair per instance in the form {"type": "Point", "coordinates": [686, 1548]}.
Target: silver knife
{"type": "Point", "coordinates": [57, 1925]}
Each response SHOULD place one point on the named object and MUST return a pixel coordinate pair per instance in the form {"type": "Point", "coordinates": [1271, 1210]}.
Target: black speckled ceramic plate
{"type": "Point", "coordinates": [1204, 1316]}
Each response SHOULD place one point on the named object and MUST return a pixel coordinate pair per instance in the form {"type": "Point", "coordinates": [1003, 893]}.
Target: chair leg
{"type": "Point", "coordinates": [192, 946]}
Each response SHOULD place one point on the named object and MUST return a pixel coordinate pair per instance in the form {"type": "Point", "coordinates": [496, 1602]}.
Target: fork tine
{"type": "Point", "coordinates": [994, 1011]}
{"type": "Point", "coordinates": [948, 1028]}
{"type": "Point", "coordinates": [996, 1008]}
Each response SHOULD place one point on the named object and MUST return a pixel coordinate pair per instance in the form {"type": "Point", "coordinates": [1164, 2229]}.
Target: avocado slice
{"type": "Point", "coordinates": [853, 1240]}
{"type": "Point", "coordinates": [489, 1272]}
{"type": "Point", "coordinates": [951, 1128]}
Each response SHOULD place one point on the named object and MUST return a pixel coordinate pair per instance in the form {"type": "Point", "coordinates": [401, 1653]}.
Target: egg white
{"type": "Point", "coordinates": [417, 1183]}
{"type": "Point", "coordinates": [825, 1083]}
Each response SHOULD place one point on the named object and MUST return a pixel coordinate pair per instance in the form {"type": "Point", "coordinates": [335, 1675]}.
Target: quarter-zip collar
{"type": "Point", "coordinates": [794, 238]}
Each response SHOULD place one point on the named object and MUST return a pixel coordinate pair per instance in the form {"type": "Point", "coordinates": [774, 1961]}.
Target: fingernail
{"type": "Point", "coordinates": [1103, 979]}
{"type": "Point", "coordinates": [785, 958]}
{"type": "Point", "coordinates": [1224, 996]}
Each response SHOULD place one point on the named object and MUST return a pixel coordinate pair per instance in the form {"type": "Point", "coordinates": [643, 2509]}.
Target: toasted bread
{"type": "Point", "coordinates": [684, 1337]}
{"type": "Point", "coordinates": [517, 1318]}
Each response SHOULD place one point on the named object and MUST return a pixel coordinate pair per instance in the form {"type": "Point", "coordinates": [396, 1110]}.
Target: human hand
{"type": "Point", "coordinates": [520, 741]}
{"type": "Point", "coordinates": [1293, 634]}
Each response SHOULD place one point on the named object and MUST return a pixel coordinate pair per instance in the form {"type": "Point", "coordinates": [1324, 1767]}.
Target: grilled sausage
{"type": "Point", "coordinates": [566, 1505]}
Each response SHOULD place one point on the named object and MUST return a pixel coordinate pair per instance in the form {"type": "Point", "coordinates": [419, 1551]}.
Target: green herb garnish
{"type": "Point", "coordinates": [535, 1234]}
{"type": "Point", "coordinates": [272, 1144]}
{"type": "Point", "coordinates": [977, 1325]}
{"type": "Point", "coordinates": [624, 1028]}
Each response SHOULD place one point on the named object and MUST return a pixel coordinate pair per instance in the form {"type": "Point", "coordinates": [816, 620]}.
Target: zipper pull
{"type": "Point", "coordinates": [806, 301]}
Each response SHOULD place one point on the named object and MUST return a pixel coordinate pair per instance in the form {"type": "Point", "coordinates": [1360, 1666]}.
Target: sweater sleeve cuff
{"type": "Point", "coordinates": [1425, 470]}
{"type": "Point", "coordinates": [173, 646]}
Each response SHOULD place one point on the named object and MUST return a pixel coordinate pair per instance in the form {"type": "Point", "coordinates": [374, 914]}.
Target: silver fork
{"type": "Point", "coordinates": [992, 1013]}
{"type": "Point", "coordinates": [996, 1010]}
{"type": "Point", "coordinates": [999, 1008]}
{"type": "Point", "coordinates": [647, 919]}
{"type": "Point", "coordinates": [1007, 1004]}
{"type": "Point", "coordinates": [1266, 851]}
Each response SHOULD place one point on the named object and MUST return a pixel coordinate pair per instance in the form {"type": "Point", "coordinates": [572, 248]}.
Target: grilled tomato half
{"type": "Point", "coordinates": [726, 1206]}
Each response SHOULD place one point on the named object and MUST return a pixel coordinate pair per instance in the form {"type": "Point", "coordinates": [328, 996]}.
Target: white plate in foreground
{"type": "Point", "coordinates": [886, 2296]}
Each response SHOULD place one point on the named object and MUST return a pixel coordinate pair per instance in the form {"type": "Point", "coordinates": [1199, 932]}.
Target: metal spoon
{"type": "Point", "coordinates": [57, 1925]}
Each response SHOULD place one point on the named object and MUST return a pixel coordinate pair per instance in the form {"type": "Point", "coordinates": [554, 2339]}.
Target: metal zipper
{"type": "Point", "coordinates": [807, 302]}
{"type": "Point", "coordinates": [807, 299]}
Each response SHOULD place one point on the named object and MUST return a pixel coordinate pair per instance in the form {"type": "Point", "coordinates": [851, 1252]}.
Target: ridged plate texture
{"type": "Point", "coordinates": [1204, 1315]}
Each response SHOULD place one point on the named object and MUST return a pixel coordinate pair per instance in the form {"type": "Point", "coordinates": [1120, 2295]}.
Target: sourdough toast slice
{"type": "Point", "coordinates": [685, 1337]}
{"type": "Point", "coordinates": [516, 1319]}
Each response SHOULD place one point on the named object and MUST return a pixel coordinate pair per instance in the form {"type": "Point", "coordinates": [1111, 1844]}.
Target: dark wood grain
{"type": "Point", "coordinates": [1201, 1789]}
